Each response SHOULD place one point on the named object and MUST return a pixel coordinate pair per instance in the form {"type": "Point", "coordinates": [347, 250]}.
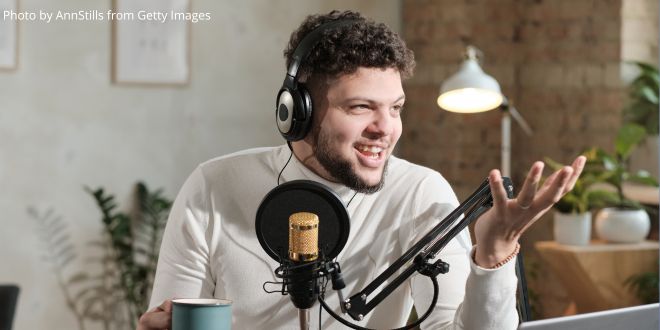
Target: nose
{"type": "Point", "coordinates": [382, 123]}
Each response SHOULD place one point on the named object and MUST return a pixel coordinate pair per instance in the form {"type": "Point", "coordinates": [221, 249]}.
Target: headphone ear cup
{"type": "Point", "coordinates": [307, 111]}
{"type": "Point", "coordinates": [284, 112]}
{"type": "Point", "coordinates": [294, 104]}
{"type": "Point", "coordinates": [294, 113]}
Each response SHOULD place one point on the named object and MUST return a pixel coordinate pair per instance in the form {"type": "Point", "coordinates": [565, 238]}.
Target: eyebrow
{"type": "Point", "coordinates": [366, 99]}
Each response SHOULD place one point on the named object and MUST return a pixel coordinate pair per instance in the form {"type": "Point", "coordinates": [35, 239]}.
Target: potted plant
{"type": "Point", "coordinates": [645, 286]}
{"type": "Point", "coordinates": [625, 220]}
{"type": "Point", "coordinates": [572, 217]}
{"type": "Point", "coordinates": [642, 109]}
{"type": "Point", "coordinates": [115, 291]}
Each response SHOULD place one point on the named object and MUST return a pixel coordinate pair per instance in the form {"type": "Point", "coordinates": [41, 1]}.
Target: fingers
{"type": "Point", "coordinates": [528, 190]}
{"type": "Point", "coordinates": [578, 166]}
{"type": "Point", "coordinates": [156, 320]}
{"type": "Point", "coordinates": [555, 179]}
{"type": "Point", "coordinates": [159, 317]}
{"type": "Point", "coordinates": [556, 187]}
{"type": "Point", "coordinates": [497, 189]}
{"type": "Point", "coordinates": [166, 306]}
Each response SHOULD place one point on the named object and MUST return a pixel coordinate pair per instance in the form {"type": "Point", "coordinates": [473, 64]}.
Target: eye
{"type": "Point", "coordinates": [397, 108]}
{"type": "Point", "coordinates": [360, 106]}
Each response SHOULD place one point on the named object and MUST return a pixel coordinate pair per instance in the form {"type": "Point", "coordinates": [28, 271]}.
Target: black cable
{"type": "Point", "coordinates": [436, 290]}
{"type": "Point", "coordinates": [349, 202]}
{"type": "Point", "coordinates": [287, 163]}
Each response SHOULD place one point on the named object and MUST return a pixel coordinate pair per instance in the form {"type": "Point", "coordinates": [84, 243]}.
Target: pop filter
{"type": "Point", "coordinates": [272, 221]}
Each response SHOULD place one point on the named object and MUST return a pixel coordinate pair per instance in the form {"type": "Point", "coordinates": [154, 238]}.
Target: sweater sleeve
{"type": "Point", "coordinates": [470, 297]}
{"type": "Point", "coordinates": [183, 264]}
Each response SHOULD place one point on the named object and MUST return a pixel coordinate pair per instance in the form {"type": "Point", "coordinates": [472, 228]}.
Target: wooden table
{"type": "Point", "coordinates": [593, 275]}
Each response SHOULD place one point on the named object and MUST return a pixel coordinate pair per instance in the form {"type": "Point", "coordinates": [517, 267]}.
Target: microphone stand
{"type": "Point", "coordinates": [422, 253]}
{"type": "Point", "coordinates": [303, 317]}
{"type": "Point", "coordinates": [419, 258]}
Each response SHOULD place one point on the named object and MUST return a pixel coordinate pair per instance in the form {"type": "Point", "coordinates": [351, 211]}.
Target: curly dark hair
{"type": "Point", "coordinates": [346, 48]}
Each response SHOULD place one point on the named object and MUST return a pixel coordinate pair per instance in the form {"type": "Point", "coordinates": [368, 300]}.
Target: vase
{"type": "Point", "coordinates": [622, 225]}
{"type": "Point", "coordinates": [572, 228]}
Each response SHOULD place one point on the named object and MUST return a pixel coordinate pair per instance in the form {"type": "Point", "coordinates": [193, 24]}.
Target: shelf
{"type": "Point", "coordinates": [594, 275]}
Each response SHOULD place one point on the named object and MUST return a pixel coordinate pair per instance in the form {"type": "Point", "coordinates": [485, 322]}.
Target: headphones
{"type": "Point", "coordinates": [293, 112]}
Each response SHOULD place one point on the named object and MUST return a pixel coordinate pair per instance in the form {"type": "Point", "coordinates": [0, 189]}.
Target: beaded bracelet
{"type": "Point", "coordinates": [503, 262]}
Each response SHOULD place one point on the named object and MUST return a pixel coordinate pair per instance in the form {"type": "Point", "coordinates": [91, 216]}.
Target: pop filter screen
{"type": "Point", "coordinates": [272, 221]}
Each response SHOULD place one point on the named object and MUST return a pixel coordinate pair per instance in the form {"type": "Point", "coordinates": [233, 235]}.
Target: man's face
{"type": "Point", "coordinates": [356, 126]}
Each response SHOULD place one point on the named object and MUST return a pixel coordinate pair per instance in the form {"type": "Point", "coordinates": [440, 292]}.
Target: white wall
{"type": "Point", "coordinates": [63, 125]}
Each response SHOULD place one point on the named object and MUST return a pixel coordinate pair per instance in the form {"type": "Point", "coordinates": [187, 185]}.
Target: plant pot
{"type": "Point", "coordinates": [572, 228]}
{"type": "Point", "coordinates": [622, 226]}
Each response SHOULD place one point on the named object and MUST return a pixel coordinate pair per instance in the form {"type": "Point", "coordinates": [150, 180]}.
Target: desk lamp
{"type": "Point", "coordinates": [471, 90]}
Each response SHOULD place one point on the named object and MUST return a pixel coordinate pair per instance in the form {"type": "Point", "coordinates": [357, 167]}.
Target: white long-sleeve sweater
{"type": "Point", "coordinates": [210, 248]}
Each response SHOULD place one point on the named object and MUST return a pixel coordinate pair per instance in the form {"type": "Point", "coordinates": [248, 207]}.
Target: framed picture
{"type": "Point", "coordinates": [148, 46]}
{"type": "Point", "coordinates": [8, 35]}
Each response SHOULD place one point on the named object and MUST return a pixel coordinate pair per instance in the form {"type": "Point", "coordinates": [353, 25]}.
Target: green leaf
{"type": "Point", "coordinates": [78, 277]}
{"type": "Point", "coordinates": [643, 177]}
{"type": "Point", "coordinates": [629, 136]}
{"type": "Point", "coordinates": [554, 165]}
{"type": "Point", "coordinates": [602, 198]}
{"type": "Point", "coordinates": [631, 204]}
{"type": "Point", "coordinates": [649, 94]}
{"type": "Point", "coordinates": [642, 107]}
{"type": "Point", "coordinates": [645, 286]}
{"type": "Point", "coordinates": [646, 68]}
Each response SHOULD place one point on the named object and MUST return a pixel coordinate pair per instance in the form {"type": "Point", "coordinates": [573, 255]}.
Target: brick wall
{"type": "Point", "coordinates": [559, 62]}
{"type": "Point", "coordinates": [462, 147]}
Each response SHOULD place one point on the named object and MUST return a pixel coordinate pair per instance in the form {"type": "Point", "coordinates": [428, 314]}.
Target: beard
{"type": "Point", "coordinates": [340, 168]}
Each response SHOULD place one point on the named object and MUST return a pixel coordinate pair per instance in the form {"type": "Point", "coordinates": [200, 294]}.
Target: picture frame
{"type": "Point", "coordinates": [146, 51]}
{"type": "Point", "coordinates": [8, 37]}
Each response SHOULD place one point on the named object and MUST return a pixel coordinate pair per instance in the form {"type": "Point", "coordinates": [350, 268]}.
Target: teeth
{"type": "Point", "coordinates": [372, 149]}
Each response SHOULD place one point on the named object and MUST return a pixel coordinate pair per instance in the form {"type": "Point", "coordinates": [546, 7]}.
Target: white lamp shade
{"type": "Point", "coordinates": [470, 90]}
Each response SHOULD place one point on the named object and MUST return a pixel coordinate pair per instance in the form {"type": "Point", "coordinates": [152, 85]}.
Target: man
{"type": "Point", "coordinates": [354, 75]}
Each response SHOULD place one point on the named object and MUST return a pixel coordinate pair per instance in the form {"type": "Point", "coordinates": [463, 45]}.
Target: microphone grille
{"type": "Point", "coordinates": [303, 236]}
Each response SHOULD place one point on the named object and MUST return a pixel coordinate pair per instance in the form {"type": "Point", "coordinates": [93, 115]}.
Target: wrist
{"type": "Point", "coordinates": [495, 257]}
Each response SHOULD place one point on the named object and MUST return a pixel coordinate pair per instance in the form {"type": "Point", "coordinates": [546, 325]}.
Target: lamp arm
{"type": "Point", "coordinates": [518, 118]}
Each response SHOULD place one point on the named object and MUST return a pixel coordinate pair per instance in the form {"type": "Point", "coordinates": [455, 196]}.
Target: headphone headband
{"type": "Point", "coordinates": [293, 111]}
{"type": "Point", "coordinates": [309, 41]}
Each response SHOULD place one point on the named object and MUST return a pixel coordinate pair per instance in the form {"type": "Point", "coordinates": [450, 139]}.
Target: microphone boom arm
{"type": "Point", "coordinates": [422, 252]}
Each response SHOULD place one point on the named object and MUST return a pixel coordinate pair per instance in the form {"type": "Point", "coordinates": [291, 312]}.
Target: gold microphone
{"type": "Point", "coordinates": [303, 237]}
{"type": "Point", "coordinates": [303, 247]}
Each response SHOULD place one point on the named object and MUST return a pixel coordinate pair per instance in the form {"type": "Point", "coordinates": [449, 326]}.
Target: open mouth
{"type": "Point", "coordinates": [372, 152]}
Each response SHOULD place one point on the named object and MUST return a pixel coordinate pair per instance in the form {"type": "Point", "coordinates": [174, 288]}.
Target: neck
{"type": "Point", "coordinates": [304, 152]}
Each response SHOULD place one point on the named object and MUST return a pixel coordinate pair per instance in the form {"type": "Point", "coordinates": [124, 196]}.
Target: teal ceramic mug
{"type": "Point", "coordinates": [201, 314]}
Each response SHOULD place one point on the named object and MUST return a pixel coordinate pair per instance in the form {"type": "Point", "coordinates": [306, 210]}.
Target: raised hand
{"type": "Point", "coordinates": [497, 231]}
